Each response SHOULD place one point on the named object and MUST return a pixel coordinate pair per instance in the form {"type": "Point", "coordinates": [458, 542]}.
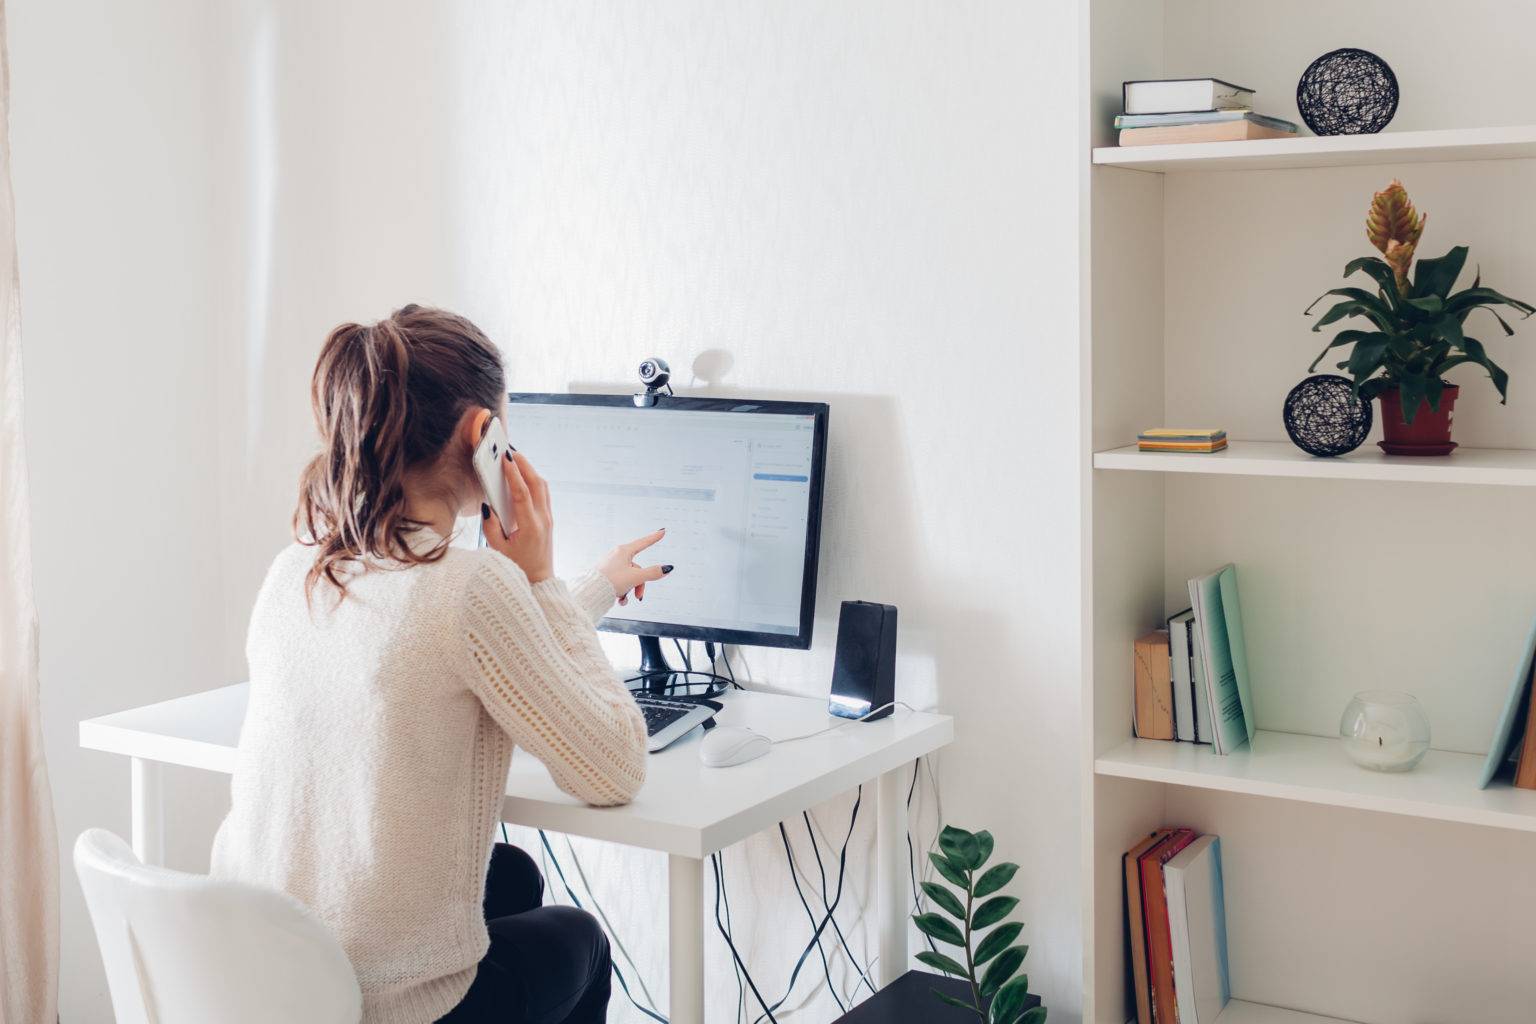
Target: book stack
{"type": "Point", "coordinates": [1176, 909]}
{"type": "Point", "coordinates": [1181, 439]}
{"type": "Point", "coordinates": [1201, 694]}
{"type": "Point", "coordinates": [1193, 110]}
{"type": "Point", "coordinates": [1512, 755]}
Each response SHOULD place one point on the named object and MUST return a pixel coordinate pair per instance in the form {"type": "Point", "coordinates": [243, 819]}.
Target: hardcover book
{"type": "Point", "coordinates": [1197, 924]}
{"type": "Point", "coordinates": [1222, 655]}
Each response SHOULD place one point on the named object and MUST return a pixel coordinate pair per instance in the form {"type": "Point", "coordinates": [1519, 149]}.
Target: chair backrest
{"type": "Point", "coordinates": [189, 949]}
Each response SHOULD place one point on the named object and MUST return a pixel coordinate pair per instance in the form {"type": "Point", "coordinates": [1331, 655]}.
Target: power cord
{"type": "Point", "coordinates": [725, 933]}
{"type": "Point", "coordinates": [822, 871]}
{"type": "Point", "coordinates": [826, 967]}
{"type": "Point", "coordinates": [840, 725]}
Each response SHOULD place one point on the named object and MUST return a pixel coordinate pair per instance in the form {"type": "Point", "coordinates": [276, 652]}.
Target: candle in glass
{"type": "Point", "coordinates": [1384, 730]}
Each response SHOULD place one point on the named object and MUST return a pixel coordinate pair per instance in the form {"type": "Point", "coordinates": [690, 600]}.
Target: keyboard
{"type": "Point", "coordinates": [667, 720]}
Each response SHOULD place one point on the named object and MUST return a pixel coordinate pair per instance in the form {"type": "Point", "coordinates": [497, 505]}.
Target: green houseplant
{"type": "Point", "coordinates": [999, 994]}
{"type": "Point", "coordinates": [1415, 328]}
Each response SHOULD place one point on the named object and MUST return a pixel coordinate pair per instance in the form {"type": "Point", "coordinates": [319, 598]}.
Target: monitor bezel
{"type": "Point", "coordinates": [799, 640]}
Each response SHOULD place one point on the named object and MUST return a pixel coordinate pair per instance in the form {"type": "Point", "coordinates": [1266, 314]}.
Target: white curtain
{"type": "Point", "coordinates": [29, 859]}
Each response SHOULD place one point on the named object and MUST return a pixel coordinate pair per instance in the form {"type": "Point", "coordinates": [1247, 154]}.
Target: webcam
{"type": "Point", "coordinates": [654, 374]}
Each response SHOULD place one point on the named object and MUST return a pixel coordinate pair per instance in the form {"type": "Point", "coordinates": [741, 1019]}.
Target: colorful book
{"type": "Point", "coordinates": [1181, 439]}
{"type": "Point", "coordinates": [1197, 924]}
{"type": "Point", "coordinates": [1507, 732]}
{"type": "Point", "coordinates": [1152, 706]}
{"type": "Point", "coordinates": [1154, 902]}
{"type": "Point", "coordinates": [1181, 651]}
{"type": "Point", "coordinates": [1128, 121]}
{"type": "Point", "coordinates": [1222, 655]}
{"type": "Point", "coordinates": [1165, 95]}
{"type": "Point", "coordinates": [1137, 925]}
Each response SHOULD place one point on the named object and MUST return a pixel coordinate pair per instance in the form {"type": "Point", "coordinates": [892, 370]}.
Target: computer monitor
{"type": "Point", "coordinates": [737, 484]}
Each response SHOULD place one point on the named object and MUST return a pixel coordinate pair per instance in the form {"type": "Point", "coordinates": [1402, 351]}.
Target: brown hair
{"type": "Point", "coordinates": [387, 398]}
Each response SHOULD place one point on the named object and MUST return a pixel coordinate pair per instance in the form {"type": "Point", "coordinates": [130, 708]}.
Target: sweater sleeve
{"type": "Point", "coordinates": [536, 665]}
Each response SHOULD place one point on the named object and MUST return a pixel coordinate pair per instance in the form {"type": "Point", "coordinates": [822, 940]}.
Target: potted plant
{"type": "Point", "coordinates": [1416, 329]}
{"type": "Point", "coordinates": [999, 995]}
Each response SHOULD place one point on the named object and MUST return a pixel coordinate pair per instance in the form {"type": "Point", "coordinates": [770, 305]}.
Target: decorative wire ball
{"type": "Point", "coordinates": [1347, 92]}
{"type": "Point", "coordinates": [1324, 417]}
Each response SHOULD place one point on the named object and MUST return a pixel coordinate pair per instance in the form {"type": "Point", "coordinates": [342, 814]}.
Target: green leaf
{"type": "Point", "coordinates": [953, 874]}
{"type": "Point", "coordinates": [1410, 393]}
{"type": "Point", "coordinates": [937, 926]}
{"type": "Point", "coordinates": [1033, 1015]}
{"type": "Point", "coordinates": [1449, 328]}
{"type": "Point", "coordinates": [993, 911]}
{"type": "Point", "coordinates": [1377, 314]}
{"type": "Point", "coordinates": [946, 899]}
{"type": "Point", "coordinates": [1380, 272]}
{"type": "Point", "coordinates": [1475, 353]}
{"type": "Point", "coordinates": [1473, 297]}
{"type": "Point", "coordinates": [1367, 357]}
{"type": "Point", "coordinates": [995, 878]}
{"type": "Point", "coordinates": [1350, 337]}
{"type": "Point", "coordinates": [1431, 304]}
{"type": "Point", "coordinates": [1001, 970]}
{"type": "Point", "coordinates": [1009, 1001]}
{"type": "Point", "coordinates": [1508, 330]}
{"type": "Point", "coordinates": [961, 847]}
{"type": "Point", "coordinates": [952, 1001]}
{"type": "Point", "coordinates": [940, 962]}
{"type": "Point", "coordinates": [997, 940]}
{"type": "Point", "coordinates": [1434, 277]}
{"type": "Point", "coordinates": [984, 841]}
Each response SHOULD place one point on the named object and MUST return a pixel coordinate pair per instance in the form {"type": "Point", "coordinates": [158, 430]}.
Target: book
{"type": "Point", "coordinates": [1152, 706]}
{"type": "Point", "coordinates": [1279, 124]}
{"type": "Point", "coordinates": [1181, 446]}
{"type": "Point", "coordinates": [1199, 687]}
{"type": "Point", "coordinates": [1221, 653]}
{"type": "Point", "coordinates": [1174, 135]}
{"type": "Point", "coordinates": [1136, 923]}
{"type": "Point", "coordinates": [1181, 651]}
{"type": "Point", "coordinates": [1165, 95]}
{"type": "Point", "coordinates": [1197, 926]}
{"type": "Point", "coordinates": [1525, 757]}
{"type": "Point", "coordinates": [1181, 439]}
{"type": "Point", "coordinates": [1154, 902]}
{"type": "Point", "coordinates": [1512, 717]}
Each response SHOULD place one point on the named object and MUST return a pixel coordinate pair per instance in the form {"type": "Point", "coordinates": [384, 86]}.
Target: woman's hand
{"type": "Point", "coordinates": [620, 568]}
{"type": "Point", "coordinates": [531, 545]}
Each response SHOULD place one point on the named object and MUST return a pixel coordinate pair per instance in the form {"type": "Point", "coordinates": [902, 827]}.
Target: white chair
{"type": "Point", "coordinates": [189, 949]}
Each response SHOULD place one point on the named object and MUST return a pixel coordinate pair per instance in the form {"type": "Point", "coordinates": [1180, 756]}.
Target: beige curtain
{"type": "Point", "coordinates": [29, 857]}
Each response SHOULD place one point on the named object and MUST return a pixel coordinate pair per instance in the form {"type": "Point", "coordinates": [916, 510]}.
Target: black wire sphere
{"type": "Point", "coordinates": [1324, 417]}
{"type": "Point", "coordinates": [1347, 92]}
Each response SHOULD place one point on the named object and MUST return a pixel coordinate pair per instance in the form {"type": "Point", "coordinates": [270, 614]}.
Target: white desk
{"type": "Point", "coordinates": [685, 810]}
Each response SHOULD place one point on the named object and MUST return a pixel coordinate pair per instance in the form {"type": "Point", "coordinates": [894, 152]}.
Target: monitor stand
{"type": "Point", "coordinates": [656, 673]}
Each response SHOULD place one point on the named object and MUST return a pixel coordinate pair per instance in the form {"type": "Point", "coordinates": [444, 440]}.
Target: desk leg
{"type": "Point", "coordinates": [891, 877]}
{"type": "Point", "coordinates": [148, 802]}
{"type": "Point", "coordinates": [685, 927]}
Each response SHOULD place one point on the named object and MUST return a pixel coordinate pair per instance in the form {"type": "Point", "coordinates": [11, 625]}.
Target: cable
{"type": "Point", "coordinates": [826, 967]}
{"type": "Point", "coordinates": [741, 991]}
{"type": "Point", "coordinates": [851, 721]}
{"type": "Point", "coordinates": [841, 938]}
{"type": "Point", "coordinates": [613, 933]}
{"type": "Point", "coordinates": [917, 900]}
{"type": "Point", "coordinates": [725, 933]}
{"type": "Point", "coordinates": [715, 684]}
{"type": "Point", "coordinates": [617, 973]}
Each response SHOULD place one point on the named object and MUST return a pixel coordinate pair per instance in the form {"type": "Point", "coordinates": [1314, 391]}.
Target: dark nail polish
{"type": "Point", "coordinates": [485, 511]}
{"type": "Point", "coordinates": [511, 447]}
{"type": "Point", "coordinates": [509, 454]}
{"type": "Point", "coordinates": [666, 569]}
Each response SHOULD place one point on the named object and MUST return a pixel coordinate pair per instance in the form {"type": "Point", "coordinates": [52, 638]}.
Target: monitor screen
{"type": "Point", "coordinates": [736, 483]}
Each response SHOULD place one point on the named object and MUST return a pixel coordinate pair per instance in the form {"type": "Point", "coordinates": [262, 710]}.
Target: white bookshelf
{"type": "Point", "coordinates": [1517, 142]}
{"type": "Point", "coordinates": [1506, 467]}
{"type": "Point", "coordinates": [1351, 895]}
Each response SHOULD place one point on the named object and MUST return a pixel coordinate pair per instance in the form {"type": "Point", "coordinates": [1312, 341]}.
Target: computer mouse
{"type": "Point", "coordinates": [727, 745]}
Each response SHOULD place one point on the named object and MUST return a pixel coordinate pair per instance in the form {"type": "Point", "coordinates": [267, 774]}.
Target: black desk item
{"type": "Point", "coordinates": [907, 1000]}
{"type": "Point", "coordinates": [864, 674]}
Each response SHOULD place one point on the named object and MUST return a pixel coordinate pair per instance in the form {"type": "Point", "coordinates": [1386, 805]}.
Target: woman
{"type": "Point", "coordinates": [391, 677]}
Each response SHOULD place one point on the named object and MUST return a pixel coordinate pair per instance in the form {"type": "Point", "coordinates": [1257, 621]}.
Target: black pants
{"type": "Point", "coordinates": [546, 965]}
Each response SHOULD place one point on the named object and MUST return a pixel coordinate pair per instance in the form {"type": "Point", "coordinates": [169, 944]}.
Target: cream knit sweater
{"type": "Point", "coordinates": [376, 745]}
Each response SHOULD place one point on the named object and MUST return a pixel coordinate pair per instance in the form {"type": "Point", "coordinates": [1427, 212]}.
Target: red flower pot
{"type": "Point", "coordinates": [1428, 434]}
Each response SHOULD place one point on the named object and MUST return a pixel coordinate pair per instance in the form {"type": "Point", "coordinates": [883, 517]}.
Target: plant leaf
{"type": "Point", "coordinates": [1508, 330]}
{"type": "Point", "coordinates": [985, 842]}
{"type": "Point", "coordinates": [997, 940]}
{"type": "Point", "coordinates": [1475, 353]}
{"type": "Point", "coordinates": [961, 847]}
{"type": "Point", "coordinates": [1007, 963]}
{"type": "Point", "coordinates": [1380, 272]}
{"type": "Point", "coordinates": [937, 926]}
{"type": "Point", "coordinates": [946, 899]}
{"type": "Point", "coordinates": [1349, 337]}
{"type": "Point", "coordinates": [1033, 1015]}
{"type": "Point", "coordinates": [1431, 304]}
{"type": "Point", "coordinates": [1435, 277]}
{"type": "Point", "coordinates": [1410, 394]}
{"type": "Point", "coordinates": [993, 911]}
{"type": "Point", "coordinates": [1480, 296]}
{"type": "Point", "coordinates": [940, 962]}
{"type": "Point", "coordinates": [952, 1001]}
{"type": "Point", "coordinates": [1374, 311]}
{"type": "Point", "coordinates": [1009, 1001]}
{"type": "Point", "coordinates": [1367, 356]}
{"type": "Point", "coordinates": [995, 878]}
{"type": "Point", "coordinates": [951, 873]}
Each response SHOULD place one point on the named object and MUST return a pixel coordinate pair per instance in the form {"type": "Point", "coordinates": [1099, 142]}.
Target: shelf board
{"type": "Point", "coordinates": [1512, 467]}
{"type": "Point", "coordinates": [1314, 769]}
{"type": "Point", "coordinates": [1240, 1012]}
{"type": "Point", "coordinates": [1439, 146]}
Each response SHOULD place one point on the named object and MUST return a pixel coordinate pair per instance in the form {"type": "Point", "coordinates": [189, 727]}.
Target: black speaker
{"type": "Point", "coordinates": [864, 676]}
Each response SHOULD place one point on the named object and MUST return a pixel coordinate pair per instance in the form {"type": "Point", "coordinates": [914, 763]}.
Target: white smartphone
{"type": "Point", "coordinates": [490, 453]}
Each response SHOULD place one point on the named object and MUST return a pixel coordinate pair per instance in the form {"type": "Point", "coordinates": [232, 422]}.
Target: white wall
{"type": "Point", "coordinates": [866, 203]}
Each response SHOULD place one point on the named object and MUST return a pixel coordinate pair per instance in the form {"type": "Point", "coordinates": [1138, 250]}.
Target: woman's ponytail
{"type": "Point", "coordinates": [386, 398]}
